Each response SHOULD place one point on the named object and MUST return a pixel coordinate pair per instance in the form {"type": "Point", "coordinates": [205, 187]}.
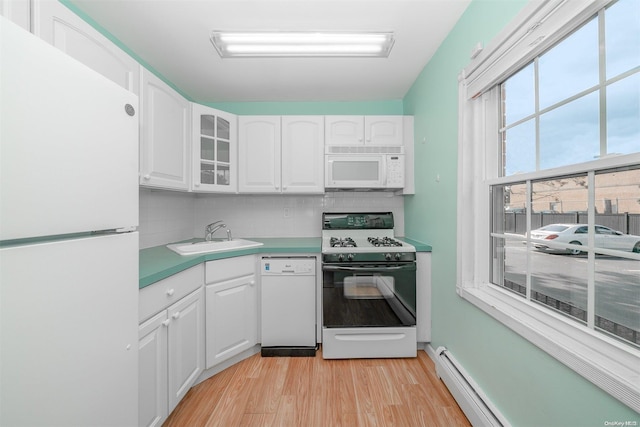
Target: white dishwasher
{"type": "Point", "coordinates": [288, 306]}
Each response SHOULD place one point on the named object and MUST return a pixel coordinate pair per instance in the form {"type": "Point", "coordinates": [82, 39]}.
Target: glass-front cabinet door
{"type": "Point", "coordinates": [214, 150]}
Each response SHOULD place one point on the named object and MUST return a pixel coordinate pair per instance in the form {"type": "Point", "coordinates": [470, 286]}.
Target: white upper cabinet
{"type": "Point", "coordinates": [56, 24]}
{"type": "Point", "coordinates": [383, 130]}
{"type": "Point", "coordinates": [215, 150]}
{"type": "Point", "coordinates": [17, 11]}
{"type": "Point", "coordinates": [344, 130]}
{"type": "Point", "coordinates": [165, 135]}
{"type": "Point", "coordinates": [302, 154]}
{"type": "Point", "coordinates": [259, 151]}
{"type": "Point", "coordinates": [281, 154]}
{"type": "Point", "coordinates": [363, 130]}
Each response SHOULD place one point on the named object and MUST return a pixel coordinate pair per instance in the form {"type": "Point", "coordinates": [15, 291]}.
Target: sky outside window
{"type": "Point", "coordinates": [566, 128]}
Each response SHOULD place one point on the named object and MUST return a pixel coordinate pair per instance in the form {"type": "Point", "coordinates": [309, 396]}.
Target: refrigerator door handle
{"type": "Point", "coordinates": [126, 229]}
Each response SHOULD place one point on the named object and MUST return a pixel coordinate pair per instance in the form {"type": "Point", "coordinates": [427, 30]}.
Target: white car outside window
{"type": "Point", "coordinates": [554, 237]}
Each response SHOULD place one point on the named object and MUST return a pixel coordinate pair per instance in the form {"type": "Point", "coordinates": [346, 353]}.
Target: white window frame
{"type": "Point", "coordinates": [608, 363]}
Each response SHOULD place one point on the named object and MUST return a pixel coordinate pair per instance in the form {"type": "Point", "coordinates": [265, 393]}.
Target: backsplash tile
{"type": "Point", "coordinates": [167, 217]}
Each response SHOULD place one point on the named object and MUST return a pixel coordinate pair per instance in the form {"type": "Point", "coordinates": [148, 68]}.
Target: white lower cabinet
{"type": "Point", "coordinates": [423, 296]}
{"type": "Point", "coordinates": [153, 371]}
{"type": "Point", "coordinates": [185, 345]}
{"type": "Point", "coordinates": [232, 308]}
{"type": "Point", "coordinates": [171, 346]}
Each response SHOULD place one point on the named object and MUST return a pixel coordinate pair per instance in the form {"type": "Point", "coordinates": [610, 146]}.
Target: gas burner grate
{"type": "Point", "coordinates": [346, 242]}
{"type": "Point", "coordinates": [384, 241]}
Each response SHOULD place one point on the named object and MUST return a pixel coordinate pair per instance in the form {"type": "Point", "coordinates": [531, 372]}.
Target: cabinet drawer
{"type": "Point", "coordinates": [229, 268]}
{"type": "Point", "coordinates": [162, 294]}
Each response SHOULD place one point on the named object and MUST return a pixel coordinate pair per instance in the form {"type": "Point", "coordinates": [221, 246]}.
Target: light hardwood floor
{"type": "Point", "coordinates": [314, 392]}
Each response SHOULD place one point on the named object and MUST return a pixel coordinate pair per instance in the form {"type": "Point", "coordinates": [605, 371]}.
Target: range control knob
{"type": "Point", "coordinates": [340, 257]}
{"type": "Point", "coordinates": [350, 257]}
{"type": "Point", "coordinates": [387, 257]}
{"type": "Point", "coordinates": [398, 256]}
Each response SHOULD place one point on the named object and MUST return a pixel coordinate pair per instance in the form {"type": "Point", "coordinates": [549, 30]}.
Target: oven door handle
{"type": "Point", "coordinates": [372, 268]}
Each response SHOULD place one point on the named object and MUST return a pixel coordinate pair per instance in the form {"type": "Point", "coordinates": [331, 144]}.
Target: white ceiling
{"type": "Point", "coordinates": [172, 36]}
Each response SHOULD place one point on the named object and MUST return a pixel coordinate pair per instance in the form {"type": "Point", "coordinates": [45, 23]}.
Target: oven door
{"type": "Point", "coordinates": [369, 295]}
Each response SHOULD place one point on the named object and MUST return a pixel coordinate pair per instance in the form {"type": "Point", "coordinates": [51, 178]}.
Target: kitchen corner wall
{"type": "Point", "coordinates": [167, 216]}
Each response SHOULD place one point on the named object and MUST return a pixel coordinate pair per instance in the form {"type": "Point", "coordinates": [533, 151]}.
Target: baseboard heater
{"type": "Point", "coordinates": [473, 402]}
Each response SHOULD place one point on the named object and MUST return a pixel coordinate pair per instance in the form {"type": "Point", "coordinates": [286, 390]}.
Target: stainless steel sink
{"type": "Point", "coordinates": [212, 246]}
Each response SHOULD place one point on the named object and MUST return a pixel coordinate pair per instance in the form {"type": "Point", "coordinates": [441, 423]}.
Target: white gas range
{"type": "Point", "coordinates": [353, 235]}
{"type": "Point", "coordinates": [353, 243]}
{"type": "Point", "coordinates": [369, 288]}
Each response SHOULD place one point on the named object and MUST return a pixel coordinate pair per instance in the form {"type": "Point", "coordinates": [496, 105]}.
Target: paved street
{"type": "Point", "coordinates": [564, 278]}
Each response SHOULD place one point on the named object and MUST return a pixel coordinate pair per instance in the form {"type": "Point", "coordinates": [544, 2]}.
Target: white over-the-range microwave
{"type": "Point", "coordinates": [364, 167]}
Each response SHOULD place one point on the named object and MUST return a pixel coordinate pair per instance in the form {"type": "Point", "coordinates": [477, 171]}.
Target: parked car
{"type": "Point", "coordinates": [577, 234]}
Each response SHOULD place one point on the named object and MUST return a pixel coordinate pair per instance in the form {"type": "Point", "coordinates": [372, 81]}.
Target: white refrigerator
{"type": "Point", "coordinates": [68, 240]}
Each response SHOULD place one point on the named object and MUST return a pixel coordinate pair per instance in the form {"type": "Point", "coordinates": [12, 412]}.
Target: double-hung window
{"type": "Point", "coordinates": [549, 157]}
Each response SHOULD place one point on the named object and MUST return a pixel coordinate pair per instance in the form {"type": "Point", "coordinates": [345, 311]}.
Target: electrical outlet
{"type": "Point", "coordinates": [286, 212]}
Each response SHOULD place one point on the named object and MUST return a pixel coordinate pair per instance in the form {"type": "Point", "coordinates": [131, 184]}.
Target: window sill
{"type": "Point", "coordinates": [609, 364]}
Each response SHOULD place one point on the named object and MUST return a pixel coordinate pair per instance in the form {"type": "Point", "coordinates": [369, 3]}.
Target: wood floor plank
{"type": "Point", "coordinates": [287, 415]}
{"type": "Point", "coordinates": [362, 387]}
{"type": "Point", "coordinates": [254, 420]}
{"type": "Point", "coordinates": [265, 396]}
{"type": "Point", "coordinates": [195, 408]}
{"type": "Point", "coordinates": [422, 405]}
{"type": "Point", "coordinates": [321, 411]}
{"type": "Point", "coordinates": [343, 391]}
{"type": "Point", "coordinates": [314, 392]}
{"type": "Point", "coordinates": [382, 395]}
{"type": "Point", "coordinates": [232, 404]}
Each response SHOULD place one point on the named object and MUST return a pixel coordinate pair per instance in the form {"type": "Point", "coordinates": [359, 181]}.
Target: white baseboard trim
{"type": "Point", "coordinates": [474, 403]}
{"type": "Point", "coordinates": [227, 363]}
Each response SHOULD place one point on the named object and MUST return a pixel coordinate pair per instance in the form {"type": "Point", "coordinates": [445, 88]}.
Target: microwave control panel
{"type": "Point", "coordinates": [395, 171]}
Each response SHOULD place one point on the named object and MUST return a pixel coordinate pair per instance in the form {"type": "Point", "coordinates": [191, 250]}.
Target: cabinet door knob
{"type": "Point", "coordinates": [176, 315]}
{"type": "Point", "coordinates": [252, 283]}
{"type": "Point", "coordinates": [170, 292]}
{"type": "Point", "coordinates": [166, 322]}
{"type": "Point", "coordinates": [147, 177]}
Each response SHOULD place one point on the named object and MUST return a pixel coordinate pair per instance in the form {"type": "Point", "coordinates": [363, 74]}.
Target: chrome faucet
{"type": "Point", "coordinates": [213, 227]}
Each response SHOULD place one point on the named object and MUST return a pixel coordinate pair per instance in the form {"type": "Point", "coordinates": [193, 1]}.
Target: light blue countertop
{"type": "Point", "coordinates": [159, 262]}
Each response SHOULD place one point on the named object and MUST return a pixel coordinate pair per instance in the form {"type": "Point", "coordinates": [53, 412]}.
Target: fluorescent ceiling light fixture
{"type": "Point", "coordinates": [306, 44]}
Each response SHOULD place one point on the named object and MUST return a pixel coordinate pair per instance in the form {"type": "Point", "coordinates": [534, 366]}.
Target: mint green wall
{"type": "Point", "coordinates": [529, 387]}
{"type": "Point", "coordinates": [319, 108]}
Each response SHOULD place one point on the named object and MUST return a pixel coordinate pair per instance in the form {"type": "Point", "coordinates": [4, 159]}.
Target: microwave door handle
{"type": "Point", "coordinates": [383, 160]}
